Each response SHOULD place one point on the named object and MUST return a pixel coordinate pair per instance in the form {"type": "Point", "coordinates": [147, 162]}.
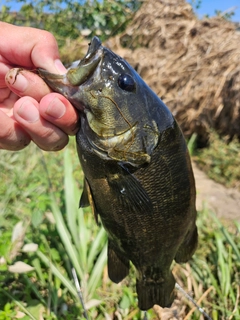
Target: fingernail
{"type": "Point", "coordinates": [56, 108]}
{"type": "Point", "coordinates": [17, 80]}
{"type": "Point", "coordinates": [28, 112]}
{"type": "Point", "coordinates": [60, 67]}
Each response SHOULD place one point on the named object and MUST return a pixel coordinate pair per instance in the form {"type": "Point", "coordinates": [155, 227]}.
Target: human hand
{"type": "Point", "coordinates": [28, 109]}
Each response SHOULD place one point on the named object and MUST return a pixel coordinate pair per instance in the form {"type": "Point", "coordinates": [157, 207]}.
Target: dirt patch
{"type": "Point", "coordinates": [225, 202]}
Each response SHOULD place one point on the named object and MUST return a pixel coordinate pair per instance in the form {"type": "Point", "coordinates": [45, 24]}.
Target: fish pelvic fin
{"type": "Point", "coordinates": [151, 293]}
{"type": "Point", "coordinates": [118, 265]}
{"type": "Point", "coordinates": [87, 199]}
{"type": "Point", "coordinates": [188, 247]}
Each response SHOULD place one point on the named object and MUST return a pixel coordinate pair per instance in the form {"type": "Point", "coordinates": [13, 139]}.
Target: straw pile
{"type": "Point", "coordinates": [193, 65]}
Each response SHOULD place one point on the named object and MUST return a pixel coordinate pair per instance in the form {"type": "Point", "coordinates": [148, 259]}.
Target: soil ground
{"type": "Point", "coordinates": [225, 202]}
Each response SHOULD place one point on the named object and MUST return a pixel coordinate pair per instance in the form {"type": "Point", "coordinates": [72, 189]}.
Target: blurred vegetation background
{"type": "Point", "coordinates": [43, 234]}
{"type": "Point", "coordinates": [70, 19]}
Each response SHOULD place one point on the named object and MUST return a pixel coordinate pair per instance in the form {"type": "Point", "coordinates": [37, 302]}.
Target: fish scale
{"type": "Point", "coordinates": [138, 174]}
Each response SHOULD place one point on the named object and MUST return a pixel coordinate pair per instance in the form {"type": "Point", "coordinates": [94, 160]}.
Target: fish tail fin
{"type": "Point", "coordinates": [151, 293]}
{"type": "Point", "coordinates": [118, 265]}
{"type": "Point", "coordinates": [188, 247]}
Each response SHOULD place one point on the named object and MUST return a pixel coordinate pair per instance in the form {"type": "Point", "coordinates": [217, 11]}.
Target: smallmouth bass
{"type": "Point", "coordinates": [138, 174]}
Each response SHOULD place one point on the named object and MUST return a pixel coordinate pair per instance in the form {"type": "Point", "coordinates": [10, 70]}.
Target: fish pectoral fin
{"type": "Point", "coordinates": [87, 199]}
{"type": "Point", "coordinates": [131, 194]}
{"type": "Point", "coordinates": [118, 265]}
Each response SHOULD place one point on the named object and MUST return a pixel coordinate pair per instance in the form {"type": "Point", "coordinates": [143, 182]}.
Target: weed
{"type": "Point", "coordinates": [42, 227]}
{"type": "Point", "coordinates": [220, 160]}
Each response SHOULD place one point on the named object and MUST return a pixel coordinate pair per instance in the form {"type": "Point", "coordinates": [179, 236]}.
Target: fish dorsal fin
{"type": "Point", "coordinates": [129, 191]}
{"type": "Point", "coordinates": [87, 199]}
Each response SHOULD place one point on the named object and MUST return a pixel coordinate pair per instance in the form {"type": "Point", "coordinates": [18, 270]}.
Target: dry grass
{"type": "Point", "coordinates": [193, 65]}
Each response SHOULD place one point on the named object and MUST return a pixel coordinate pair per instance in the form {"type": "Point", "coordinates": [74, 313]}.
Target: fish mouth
{"type": "Point", "coordinates": [68, 83]}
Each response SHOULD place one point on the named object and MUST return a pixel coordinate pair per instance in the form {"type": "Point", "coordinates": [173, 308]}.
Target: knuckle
{"type": "Point", "coordinates": [48, 37]}
{"type": "Point", "coordinates": [4, 94]}
{"type": "Point", "coordinates": [47, 135]}
{"type": "Point", "coordinates": [7, 133]}
{"type": "Point", "coordinates": [11, 141]}
{"type": "Point", "coordinates": [52, 141]}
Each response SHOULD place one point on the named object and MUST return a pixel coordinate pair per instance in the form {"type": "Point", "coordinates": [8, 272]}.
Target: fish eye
{"type": "Point", "coordinates": [126, 82]}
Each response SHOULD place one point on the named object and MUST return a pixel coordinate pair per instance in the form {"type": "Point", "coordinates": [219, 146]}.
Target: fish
{"type": "Point", "coordinates": [137, 171]}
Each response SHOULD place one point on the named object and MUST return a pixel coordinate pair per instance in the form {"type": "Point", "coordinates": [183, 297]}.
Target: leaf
{"type": "Point", "coordinates": [2, 260]}
{"type": "Point", "coordinates": [65, 280]}
{"type": "Point", "coordinates": [20, 315]}
{"type": "Point", "coordinates": [36, 309]}
{"type": "Point", "coordinates": [30, 247]}
{"type": "Point", "coordinates": [37, 218]}
{"type": "Point", "coordinates": [70, 190]}
{"type": "Point", "coordinates": [92, 303]}
{"type": "Point", "coordinates": [107, 316]}
{"type": "Point", "coordinates": [125, 303]}
{"type": "Point", "coordinates": [20, 267]}
{"type": "Point", "coordinates": [50, 217]}
{"type": "Point", "coordinates": [18, 231]}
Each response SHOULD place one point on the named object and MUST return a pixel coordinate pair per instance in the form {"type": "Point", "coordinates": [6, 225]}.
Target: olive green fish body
{"type": "Point", "coordinates": [151, 234]}
{"type": "Point", "coordinates": [138, 175]}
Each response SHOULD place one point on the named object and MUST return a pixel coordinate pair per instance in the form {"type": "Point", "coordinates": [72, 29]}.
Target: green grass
{"type": "Point", "coordinates": [216, 264]}
{"type": "Point", "coordinates": [220, 160]}
{"type": "Point", "coordinates": [39, 205]}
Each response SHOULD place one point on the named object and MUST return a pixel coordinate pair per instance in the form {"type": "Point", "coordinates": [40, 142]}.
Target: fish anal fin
{"type": "Point", "coordinates": [188, 247]}
{"type": "Point", "coordinates": [118, 265]}
{"type": "Point", "coordinates": [87, 199]}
